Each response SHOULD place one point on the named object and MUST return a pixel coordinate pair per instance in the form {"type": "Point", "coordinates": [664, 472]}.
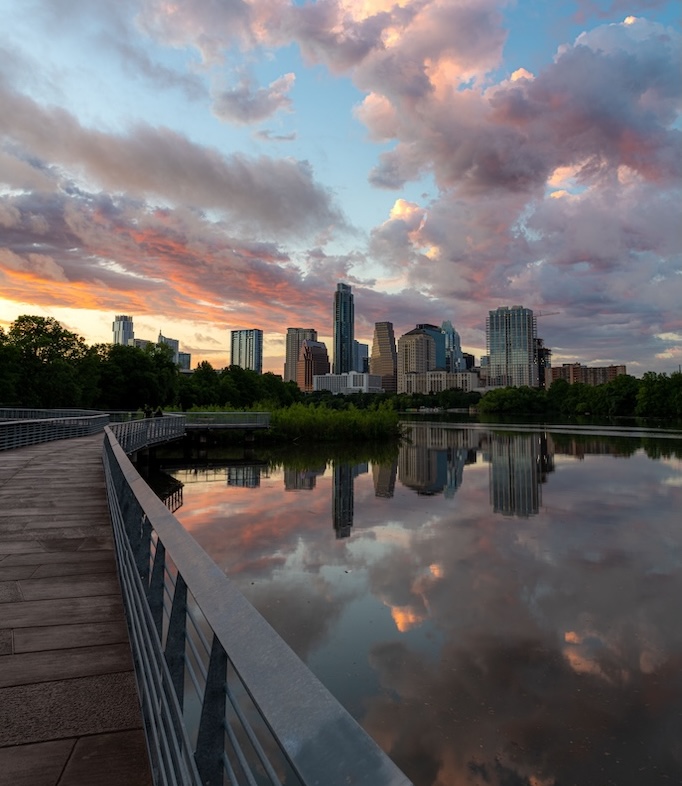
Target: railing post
{"type": "Point", "coordinates": [175, 641]}
{"type": "Point", "coordinates": [211, 736]}
{"type": "Point", "coordinates": [155, 595]}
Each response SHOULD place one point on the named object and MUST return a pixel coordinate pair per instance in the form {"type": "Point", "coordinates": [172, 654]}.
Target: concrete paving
{"type": "Point", "coordinates": [69, 709]}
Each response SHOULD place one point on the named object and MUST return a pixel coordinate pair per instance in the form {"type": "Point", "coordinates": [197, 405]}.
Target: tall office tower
{"type": "Point", "coordinates": [173, 343]}
{"type": "Point", "coordinates": [344, 318]}
{"type": "Point", "coordinates": [123, 330]}
{"type": "Point", "coordinates": [416, 354]}
{"type": "Point", "coordinates": [454, 358]}
{"type": "Point", "coordinates": [510, 342]}
{"type": "Point", "coordinates": [439, 338]}
{"type": "Point", "coordinates": [295, 337]}
{"type": "Point", "coordinates": [312, 360]}
{"type": "Point", "coordinates": [246, 349]}
{"type": "Point", "coordinates": [360, 357]}
{"type": "Point", "coordinates": [384, 359]}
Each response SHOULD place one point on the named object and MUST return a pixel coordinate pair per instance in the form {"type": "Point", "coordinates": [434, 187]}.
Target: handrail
{"type": "Point", "coordinates": [135, 435]}
{"type": "Point", "coordinates": [23, 430]}
{"type": "Point", "coordinates": [222, 693]}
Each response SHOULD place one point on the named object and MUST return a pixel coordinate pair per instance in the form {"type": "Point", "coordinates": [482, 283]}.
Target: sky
{"type": "Point", "coordinates": [212, 165]}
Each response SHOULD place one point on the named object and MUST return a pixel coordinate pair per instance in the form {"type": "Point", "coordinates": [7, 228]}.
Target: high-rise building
{"type": "Point", "coordinates": [454, 358]}
{"type": "Point", "coordinates": [384, 358]}
{"type": "Point", "coordinates": [295, 337]}
{"type": "Point", "coordinates": [123, 330]}
{"type": "Point", "coordinates": [184, 361]}
{"type": "Point", "coordinates": [344, 319]}
{"type": "Point", "coordinates": [360, 357]}
{"type": "Point", "coordinates": [312, 360]}
{"type": "Point", "coordinates": [416, 354]}
{"type": "Point", "coordinates": [511, 346]}
{"type": "Point", "coordinates": [246, 349]}
{"type": "Point", "coordinates": [173, 343]}
{"type": "Point", "coordinates": [439, 338]}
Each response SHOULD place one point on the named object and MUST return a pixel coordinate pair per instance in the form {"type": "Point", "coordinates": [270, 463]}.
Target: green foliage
{"type": "Point", "coordinates": [315, 423]}
{"type": "Point", "coordinates": [655, 395]}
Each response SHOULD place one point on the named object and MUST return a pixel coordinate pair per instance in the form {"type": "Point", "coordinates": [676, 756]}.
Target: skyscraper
{"type": "Point", "coordinates": [246, 349]}
{"type": "Point", "coordinates": [384, 358]}
{"type": "Point", "coordinates": [511, 345]}
{"type": "Point", "coordinates": [344, 318]}
{"type": "Point", "coordinates": [416, 354]}
{"type": "Point", "coordinates": [360, 357]}
{"type": "Point", "coordinates": [295, 337]}
{"type": "Point", "coordinates": [454, 359]}
{"type": "Point", "coordinates": [439, 338]}
{"type": "Point", "coordinates": [312, 361]}
{"type": "Point", "coordinates": [173, 343]}
{"type": "Point", "coordinates": [123, 330]}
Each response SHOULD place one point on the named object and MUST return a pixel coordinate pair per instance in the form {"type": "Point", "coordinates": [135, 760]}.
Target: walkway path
{"type": "Point", "coordinates": [69, 712]}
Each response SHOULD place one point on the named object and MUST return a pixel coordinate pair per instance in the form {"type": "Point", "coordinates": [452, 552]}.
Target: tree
{"type": "Point", "coordinates": [45, 360]}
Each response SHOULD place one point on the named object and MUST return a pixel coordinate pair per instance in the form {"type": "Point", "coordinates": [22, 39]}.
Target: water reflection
{"type": "Point", "coordinates": [495, 608]}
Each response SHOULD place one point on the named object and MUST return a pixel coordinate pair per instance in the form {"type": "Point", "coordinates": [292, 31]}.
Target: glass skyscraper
{"type": "Point", "coordinates": [344, 318]}
{"type": "Point", "coordinates": [511, 335]}
{"type": "Point", "coordinates": [246, 349]}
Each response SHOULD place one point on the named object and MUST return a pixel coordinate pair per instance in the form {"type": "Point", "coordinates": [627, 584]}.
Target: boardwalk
{"type": "Point", "coordinates": [69, 711]}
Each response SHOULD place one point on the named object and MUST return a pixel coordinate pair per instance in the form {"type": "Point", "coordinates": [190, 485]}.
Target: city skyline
{"type": "Point", "coordinates": [212, 168]}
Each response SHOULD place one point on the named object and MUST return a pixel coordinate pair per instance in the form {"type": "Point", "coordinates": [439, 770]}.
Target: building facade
{"type": "Point", "coordinates": [588, 375]}
{"type": "Point", "coordinates": [295, 337]}
{"type": "Point", "coordinates": [437, 381]}
{"type": "Point", "coordinates": [360, 357]}
{"type": "Point", "coordinates": [353, 382]}
{"type": "Point", "coordinates": [383, 361]}
{"type": "Point", "coordinates": [246, 349]}
{"type": "Point", "coordinates": [343, 329]}
{"type": "Point", "coordinates": [123, 330]}
{"type": "Point", "coordinates": [312, 360]}
{"type": "Point", "coordinates": [174, 344]}
{"type": "Point", "coordinates": [416, 355]}
{"type": "Point", "coordinates": [454, 359]}
{"type": "Point", "coordinates": [511, 335]}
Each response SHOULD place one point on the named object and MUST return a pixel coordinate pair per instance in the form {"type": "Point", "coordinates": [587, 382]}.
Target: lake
{"type": "Point", "coordinates": [496, 607]}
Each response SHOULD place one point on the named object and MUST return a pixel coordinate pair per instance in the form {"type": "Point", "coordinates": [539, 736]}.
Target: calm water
{"type": "Point", "coordinates": [494, 608]}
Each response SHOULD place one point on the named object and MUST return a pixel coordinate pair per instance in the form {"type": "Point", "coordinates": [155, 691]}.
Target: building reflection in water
{"type": "Point", "coordinates": [519, 464]}
{"type": "Point", "coordinates": [301, 479]}
{"type": "Point", "coordinates": [247, 476]}
{"type": "Point", "coordinates": [343, 476]}
{"type": "Point", "coordinates": [384, 476]}
{"type": "Point", "coordinates": [434, 461]}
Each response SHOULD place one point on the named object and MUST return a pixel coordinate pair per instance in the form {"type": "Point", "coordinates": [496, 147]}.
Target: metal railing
{"type": "Point", "coordinates": [22, 427]}
{"type": "Point", "coordinates": [224, 699]}
{"type": "Point", "coordinates": [135, 435]}
{"type": "Point", "coordinates": [246, 420]}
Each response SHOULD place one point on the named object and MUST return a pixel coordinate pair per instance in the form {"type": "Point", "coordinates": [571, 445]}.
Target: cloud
{"type": "Point", "coordinates": [246, 104]}
{"type": "Point", "coordinates": [156, 163]}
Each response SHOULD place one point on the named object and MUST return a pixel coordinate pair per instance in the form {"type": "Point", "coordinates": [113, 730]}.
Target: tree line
{"type": "Point", "coordinates": [44, 365]}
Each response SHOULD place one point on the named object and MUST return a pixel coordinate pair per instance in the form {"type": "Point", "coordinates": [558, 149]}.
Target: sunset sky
{"type": "Point", "coordinates": [207, 165]}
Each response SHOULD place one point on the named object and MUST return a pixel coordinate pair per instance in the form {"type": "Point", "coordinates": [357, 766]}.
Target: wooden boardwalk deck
{"type": "Point", "coordinates": [69, 711]}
